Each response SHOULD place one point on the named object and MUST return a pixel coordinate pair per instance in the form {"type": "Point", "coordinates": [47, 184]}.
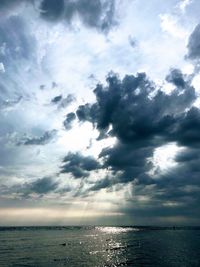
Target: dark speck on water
{"type": "Point", "coordinates": [63, 244]}
{"type": "Point", "coordinates": [99, 246]}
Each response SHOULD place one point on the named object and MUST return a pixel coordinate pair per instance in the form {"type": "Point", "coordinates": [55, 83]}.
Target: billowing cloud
{"type": "Point", "coordinates": [79, 165]}
{"type": "Point", "coordinates": [137, 117]}
{"type": "Point", "coordinates": [56, 99]}
{"type": "Point", "coordinates": [142, 117]}
{"type": "Point", "coordinates": [68, 121]}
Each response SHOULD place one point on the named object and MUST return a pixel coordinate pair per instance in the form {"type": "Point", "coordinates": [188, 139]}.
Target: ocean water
{"type": "Point", "coordinates": [99, 246]}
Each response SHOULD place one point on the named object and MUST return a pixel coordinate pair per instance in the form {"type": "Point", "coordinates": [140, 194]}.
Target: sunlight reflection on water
{"type": "Point", "coordinates": [116, 230]}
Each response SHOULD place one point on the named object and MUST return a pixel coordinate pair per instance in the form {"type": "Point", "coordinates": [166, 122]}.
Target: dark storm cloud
{"type": "Point", "coordinates": [187, 132]}
{"type": "Point", "coordinates": [97, 13]}
{"type": "Point", "coordinates": [175, 193]}
{"type": "Point", "coordinates": [128, 167]}
{"type": "Point", "coordinates": [40, 187]}
{"type": "Point", "coordinates": [86, 112]}
{"type": "Point", "coordinates": [177, 78]}
{"type": "Point", "coordinates": [41, 140]}
{"type": "Point", "coordinates": [142, 118]}
{"type": "Point", "coordinates": [103, 183]}
{"type": "Point", "coordinates": [56, 99]}
{"type": "Point", "coordinates": [79, 165]}
{"type": "Point", "coordinates": [136, 117]}
{"type": "Point", "coordinates": [186, 172]}
{"type": "Point", "coordinates": [43, 185]}
{"type": "Point", "coordinates": [52, 9]}
{"type": "Point", "coordinates": [188, 155]}
{"type": "Point", "coordinates": [68, 121]}
{"type": "Point", "coordinates": [194, 44]}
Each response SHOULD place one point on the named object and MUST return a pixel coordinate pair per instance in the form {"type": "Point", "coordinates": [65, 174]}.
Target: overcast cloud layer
{"type": "Point", "coordinates": [99, 112]}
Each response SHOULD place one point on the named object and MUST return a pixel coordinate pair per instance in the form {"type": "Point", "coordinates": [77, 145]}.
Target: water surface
{"type": "Point", "coordinates": [99, 246]}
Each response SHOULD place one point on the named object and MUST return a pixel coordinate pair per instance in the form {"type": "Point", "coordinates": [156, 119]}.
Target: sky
{"type": "Point", "coordinates": [99, 112]}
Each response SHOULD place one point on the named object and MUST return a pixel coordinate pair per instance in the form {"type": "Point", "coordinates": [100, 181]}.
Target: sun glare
{"type": "Point", "coordinates": [164, 157]}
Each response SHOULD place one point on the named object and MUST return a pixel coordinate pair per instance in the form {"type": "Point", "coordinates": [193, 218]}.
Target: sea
{"type": "Point", "coordinates": [100, 246]}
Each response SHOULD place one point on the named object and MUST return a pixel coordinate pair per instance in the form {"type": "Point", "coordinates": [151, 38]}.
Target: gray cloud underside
{"type": "Point", "coordinates": [79, 165]}
{"type": "Point", "coordinates": [41, 186]}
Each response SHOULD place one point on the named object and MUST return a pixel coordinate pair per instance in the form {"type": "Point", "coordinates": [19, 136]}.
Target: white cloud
{"type": "Point", "coordinates": [184, 4]}
{"type": "Point", "coordinates": [163, 158]}
{"type": "Point", "coordinates": [169, 24]}
{"type": "Point", "coordinates": [2, 69]}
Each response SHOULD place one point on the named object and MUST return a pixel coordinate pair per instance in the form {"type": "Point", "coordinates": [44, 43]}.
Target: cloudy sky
{"type": "Point", "coordinates": [99, 112]}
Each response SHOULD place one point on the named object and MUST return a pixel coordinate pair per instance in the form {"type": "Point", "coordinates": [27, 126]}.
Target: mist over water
{"type": "Point", "coordinates": [99, 246]}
